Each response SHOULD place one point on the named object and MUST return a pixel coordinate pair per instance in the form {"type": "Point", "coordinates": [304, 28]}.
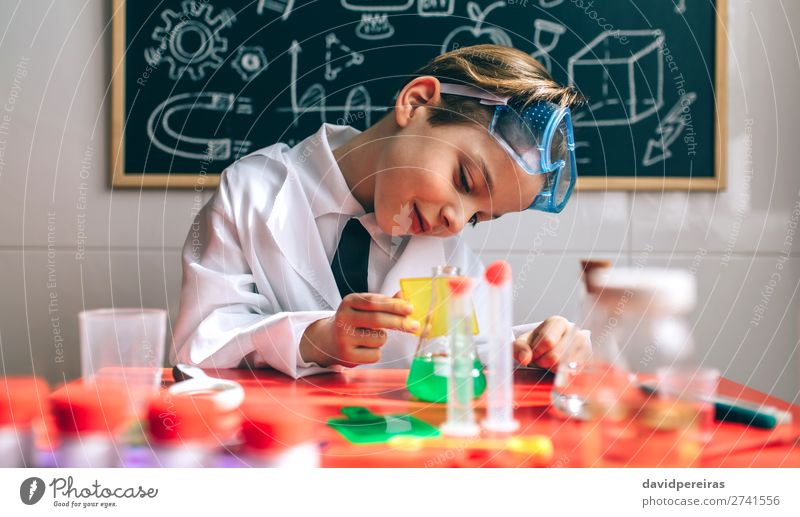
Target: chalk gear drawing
{"type": "Point", "coordinates": [189, 40]}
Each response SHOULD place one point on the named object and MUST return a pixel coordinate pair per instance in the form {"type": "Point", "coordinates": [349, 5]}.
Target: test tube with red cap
{"type": "Point", "coordinates": [23, 401]}
{"type": "Point", "coordinates": [276, 434]}
{"type": "Point", "coordinates": [185, 431]}
{"type": "Point", "coordinates": [460, 414]}
{"type": "Point", "coordinates": [500, 377]}
{"type": "Point", "coordinates": [89, 418]}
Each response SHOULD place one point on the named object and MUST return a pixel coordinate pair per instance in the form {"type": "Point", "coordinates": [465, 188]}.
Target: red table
{"type": "Point", "coordinates": [383, 391]}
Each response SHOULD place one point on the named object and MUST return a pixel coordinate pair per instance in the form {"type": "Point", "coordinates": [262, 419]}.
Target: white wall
{"type": "Point", "coordinates": [56, 155]}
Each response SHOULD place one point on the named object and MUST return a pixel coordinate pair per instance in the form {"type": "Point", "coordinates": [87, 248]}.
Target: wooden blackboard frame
{"type": "Point", "coordinates": [124, 179]}
{"type": "Point", "coordinates": [119, 177]}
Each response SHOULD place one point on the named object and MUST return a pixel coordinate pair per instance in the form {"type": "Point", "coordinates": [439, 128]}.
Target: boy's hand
{"type": "Point", "coordinates": [356, 333]}
{"type": "Point", "coordinates": [546, 344]}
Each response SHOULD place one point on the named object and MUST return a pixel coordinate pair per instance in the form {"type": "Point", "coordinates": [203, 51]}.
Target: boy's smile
{"type": "Point", "coordinates": [419, 223]}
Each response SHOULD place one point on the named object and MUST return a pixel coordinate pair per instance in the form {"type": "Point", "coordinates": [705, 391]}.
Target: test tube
{"type": "Point", "coordinates": [460, 416]}
{"type": "Point", "coordinates": [500, 377]}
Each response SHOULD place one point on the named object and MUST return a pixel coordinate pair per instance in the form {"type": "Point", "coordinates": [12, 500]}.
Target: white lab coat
{"type": "Point", "coordinates": [256, 263]}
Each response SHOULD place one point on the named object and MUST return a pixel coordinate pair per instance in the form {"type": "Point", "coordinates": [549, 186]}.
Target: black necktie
{"type": "Point", "coordinates": [351, 259]}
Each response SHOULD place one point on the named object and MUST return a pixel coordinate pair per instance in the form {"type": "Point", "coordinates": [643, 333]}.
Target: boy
{"type": "Point", "coordinates": [302, 249]}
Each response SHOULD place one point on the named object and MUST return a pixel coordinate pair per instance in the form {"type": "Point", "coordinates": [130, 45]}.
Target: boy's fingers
{"type": "Point", "coordinates": [370, 338]}
{"type": "Point", "coordinates": [364, 301]}
{"type": "Point", "coordinates": [383, 320]}
{"type": "Point", "coordinates": [364, 355]}
{"type": "Point", "coordinates": [547, 361]}
{"type": "Point", "coordinates": [377, 302]}
{"type": "Point", "coordinates": [522, 352]}
{"type": "Point", "coordinates": [547, 336]}
{"type": "Point", "coordinates": [541, 344]}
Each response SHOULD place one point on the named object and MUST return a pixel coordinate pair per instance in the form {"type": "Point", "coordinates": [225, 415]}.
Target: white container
{"type": "Point", "coordinates": [638, 320]}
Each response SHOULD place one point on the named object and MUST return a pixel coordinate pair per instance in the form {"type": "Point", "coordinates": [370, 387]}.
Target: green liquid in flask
{"type": "Point", "coordinates": [427, 379]}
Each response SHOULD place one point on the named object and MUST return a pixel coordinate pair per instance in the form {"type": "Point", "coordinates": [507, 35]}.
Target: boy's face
{"type": "Point", "coordinates": [433, 180]}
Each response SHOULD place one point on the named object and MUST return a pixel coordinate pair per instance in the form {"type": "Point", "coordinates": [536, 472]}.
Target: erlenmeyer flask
{"type": "Point", "coordinates": [430, 367]}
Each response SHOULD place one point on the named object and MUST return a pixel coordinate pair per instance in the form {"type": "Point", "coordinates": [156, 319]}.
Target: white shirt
{"type": "Point", "coordinates": [256, 263]}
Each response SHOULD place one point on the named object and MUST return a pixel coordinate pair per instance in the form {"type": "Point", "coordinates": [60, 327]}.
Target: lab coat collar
{"type": "Point", "coordinates": [320, 175]}
{"type": "Point", "coordinates": [326, 188]}
{"type": "Point", "coordinates": [294, 229]}
{"type": "Point", "coordinates": [293, 225]}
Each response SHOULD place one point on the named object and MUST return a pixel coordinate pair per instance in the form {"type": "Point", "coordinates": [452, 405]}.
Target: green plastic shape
{"type": "Point", "coordinates": [364, 427]}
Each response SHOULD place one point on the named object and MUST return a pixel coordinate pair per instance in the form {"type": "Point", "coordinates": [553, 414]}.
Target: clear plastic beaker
{"type": "Point", "coordinates": [124, 346]}
{"type": "Point", "coordinates": [430, 367]}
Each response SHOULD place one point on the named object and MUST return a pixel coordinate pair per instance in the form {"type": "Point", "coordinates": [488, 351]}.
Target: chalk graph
{"type": "Point", "coordinates": [314, 98]}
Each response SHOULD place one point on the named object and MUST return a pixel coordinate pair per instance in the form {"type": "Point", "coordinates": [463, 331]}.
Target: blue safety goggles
{"type": "Point", "coordinates": [539, 138]}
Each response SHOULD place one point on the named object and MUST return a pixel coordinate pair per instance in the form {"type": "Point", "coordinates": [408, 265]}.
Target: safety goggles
{"type": "Point", "coordinates": [539, 138]}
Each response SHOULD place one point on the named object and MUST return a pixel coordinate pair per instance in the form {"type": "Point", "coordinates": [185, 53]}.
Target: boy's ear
{"type": "Point", "coordinates": [419, 93]}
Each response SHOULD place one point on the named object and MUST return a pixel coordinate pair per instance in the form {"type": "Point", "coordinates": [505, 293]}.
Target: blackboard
{"type": "Point", "coordinates": [198, 84]}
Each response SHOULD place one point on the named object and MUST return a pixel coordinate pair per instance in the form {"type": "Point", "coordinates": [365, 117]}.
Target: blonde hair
{"type": "Point", "coordinates": [503, 71]}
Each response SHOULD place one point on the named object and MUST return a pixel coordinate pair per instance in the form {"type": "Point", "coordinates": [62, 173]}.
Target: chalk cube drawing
{"type": "Point", "coordinates": [622, 75]}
